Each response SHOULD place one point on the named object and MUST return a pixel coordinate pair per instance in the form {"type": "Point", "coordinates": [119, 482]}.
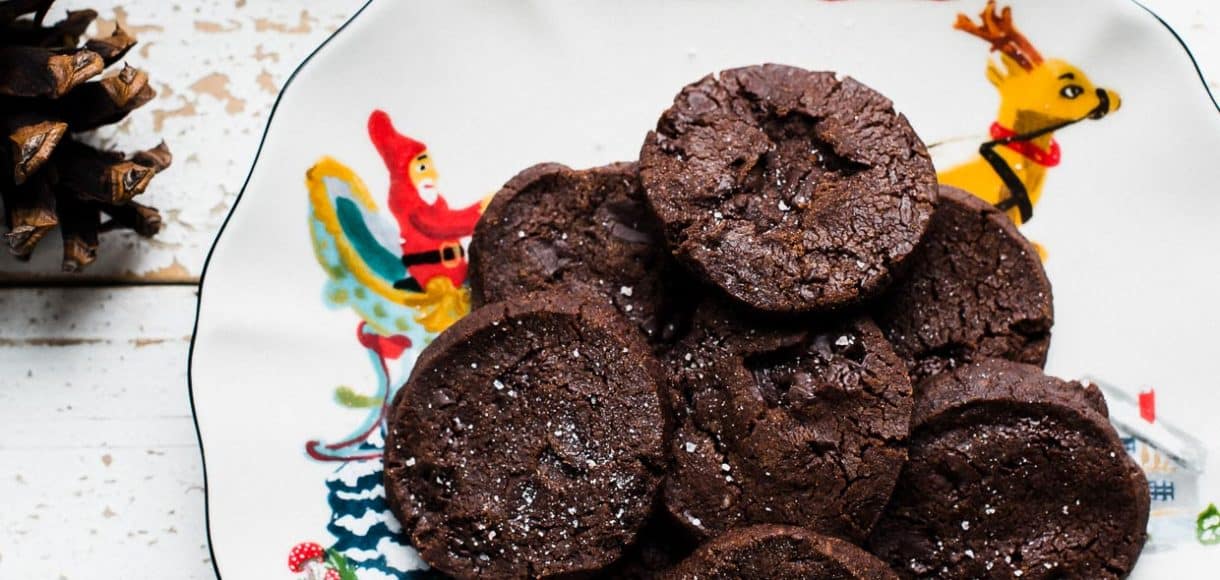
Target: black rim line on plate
{"type": "Point", "coordinates": [254, 164]}
{"type": "Point", "coordinates": [207, 261]}
{"type": "Point", "coordinates": [1189, 54]}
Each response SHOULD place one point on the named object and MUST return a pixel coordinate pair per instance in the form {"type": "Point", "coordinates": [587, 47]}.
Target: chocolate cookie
{"type": "Point", "coordinates": [792, 190]}
{"type": "Point", "coordinates": [785, 423]}
{"type": "Point", "coordinates": [522, 445]}
{"type": "Point", "coordinates": [780, 553]}
{"type": "Point", "coordinates": [975, 289]}
{"type": "Point", "coordinates": [590, 230]}
{"type": "Point", "coordinates": [1013, 474]}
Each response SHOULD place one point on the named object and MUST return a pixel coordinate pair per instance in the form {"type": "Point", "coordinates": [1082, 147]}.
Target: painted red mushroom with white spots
{"type": "Point", "coordinates": [310, 558]}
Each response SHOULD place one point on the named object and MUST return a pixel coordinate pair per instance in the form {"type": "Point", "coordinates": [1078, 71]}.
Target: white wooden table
{"type": "Point", "coordinates": [100, 474]}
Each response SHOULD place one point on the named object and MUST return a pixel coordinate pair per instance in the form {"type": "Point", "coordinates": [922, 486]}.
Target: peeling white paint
{"type": "Point", "coordinates": [217, 68]}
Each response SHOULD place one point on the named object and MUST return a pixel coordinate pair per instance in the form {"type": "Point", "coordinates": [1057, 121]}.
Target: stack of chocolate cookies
{"type": "Point", "coordinates": [771, 348]}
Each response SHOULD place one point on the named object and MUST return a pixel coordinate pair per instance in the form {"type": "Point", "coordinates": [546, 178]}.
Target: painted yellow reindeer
{"type": "Point", "coordinates": [1037, 98]}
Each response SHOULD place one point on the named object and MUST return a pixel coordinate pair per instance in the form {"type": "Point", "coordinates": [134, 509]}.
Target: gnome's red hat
{"type": "Point", "coordinates": [397, 150]}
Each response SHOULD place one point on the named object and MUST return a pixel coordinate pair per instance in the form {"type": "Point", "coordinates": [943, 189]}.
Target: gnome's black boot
{"type": "Point", "coordinates": [409, 284]}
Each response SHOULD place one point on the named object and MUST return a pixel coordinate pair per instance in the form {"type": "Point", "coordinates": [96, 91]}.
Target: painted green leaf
{"type": "Point", "coordinates": [348, 397]}
{"type": "Point", "coordinates": [340, 564]}
{"type": "Point", "coordinates": [1207, 527]}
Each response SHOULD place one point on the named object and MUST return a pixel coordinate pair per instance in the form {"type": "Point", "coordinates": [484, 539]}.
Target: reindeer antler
{"type": "Point", "coordinates": [998, 29]}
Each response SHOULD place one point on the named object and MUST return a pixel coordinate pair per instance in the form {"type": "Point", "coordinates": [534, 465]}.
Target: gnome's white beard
{"type": "Point", "coordinates": [428, 190]}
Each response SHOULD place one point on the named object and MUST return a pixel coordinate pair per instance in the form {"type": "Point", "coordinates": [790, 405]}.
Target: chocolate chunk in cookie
{"type": "Point", "coordinates": [792, 190]}
{"type": "Point", "coordinates": [975, 289]}
{"type": "Point", "coordinates": [780, 553]}
{"type": "Point", "coordinates": [785, 423]}
{"type": "Point", "coordinates": [1013, 474]}
{"type": "Point", "coordinates": [529, 440]}
{"type": "Point", "coordinates": [588, 230]}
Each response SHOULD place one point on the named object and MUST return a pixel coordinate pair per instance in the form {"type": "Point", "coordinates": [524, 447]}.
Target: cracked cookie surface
{"type": "Point", "coordinates": [780, 553]}
{"type": "Point", "coordinates": [784, 423]}
{"type": "Point", "coordinates": [522, 445]}
{"type": "Point", "coordinates": [588, 230]}
{"type": "Point", "coordinates": [975, 289]}
{"type": "Point", "coordinates": [812, 180]}
{"type": "Point", "coordinates": [1013, 474]}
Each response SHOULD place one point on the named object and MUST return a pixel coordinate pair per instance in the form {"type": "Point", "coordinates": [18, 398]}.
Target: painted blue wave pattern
{"type": "Point", "coordinates": [365, 531]}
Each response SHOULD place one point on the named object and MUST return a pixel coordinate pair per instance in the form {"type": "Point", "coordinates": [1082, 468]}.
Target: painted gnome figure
{"type": "Point", "coordinates": [356, 247]}
{"type": "Point", "coordinates": [431, 231]}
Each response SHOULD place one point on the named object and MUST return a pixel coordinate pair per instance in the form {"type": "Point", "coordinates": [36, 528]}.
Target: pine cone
{"type": "Point", "coordinates": [49, 90]}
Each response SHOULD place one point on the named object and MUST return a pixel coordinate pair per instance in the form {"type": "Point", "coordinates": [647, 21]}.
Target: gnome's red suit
{"type": "Point", "coordinates": [430, 230]}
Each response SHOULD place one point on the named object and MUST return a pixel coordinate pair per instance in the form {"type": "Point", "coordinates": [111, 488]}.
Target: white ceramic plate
{"type": "Point", "coordinates": [1127, 218]}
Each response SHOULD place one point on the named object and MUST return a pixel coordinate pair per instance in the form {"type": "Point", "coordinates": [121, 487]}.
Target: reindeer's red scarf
{"type": "Point", "coordinates": [1048, 157]}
